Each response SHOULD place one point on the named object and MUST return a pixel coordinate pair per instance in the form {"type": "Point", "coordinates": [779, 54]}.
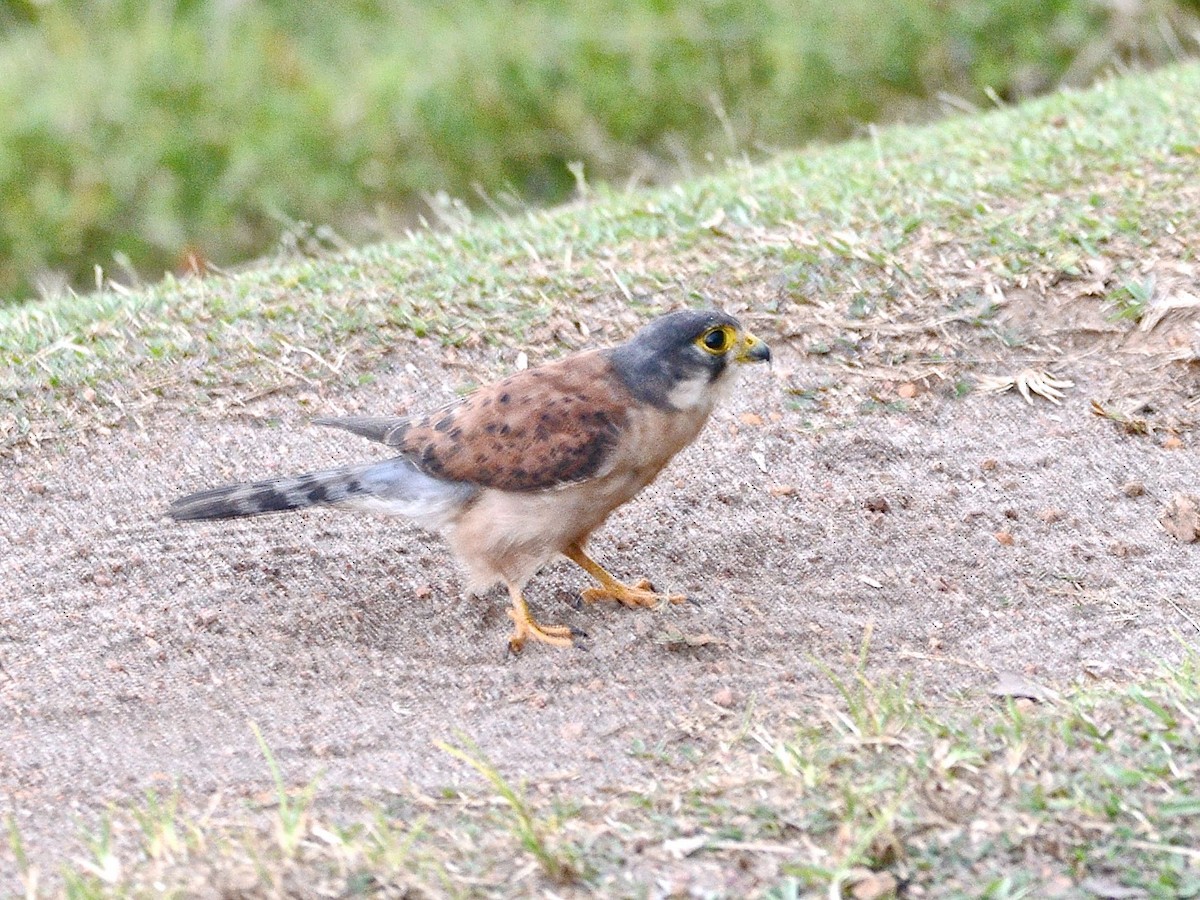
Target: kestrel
{"type": "Point", "coordinates": [524, 470]}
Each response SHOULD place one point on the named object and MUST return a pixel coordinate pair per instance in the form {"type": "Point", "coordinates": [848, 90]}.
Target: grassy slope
{"type": "Point", "coordinates": [147, 133]}
{"type": "Point", "coordinates": [1024, 192]}
{"type": "Point", "coordinates": [1011, 797]}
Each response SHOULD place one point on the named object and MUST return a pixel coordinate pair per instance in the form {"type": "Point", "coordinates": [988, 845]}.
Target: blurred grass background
{"type": "Point", "coordinates": [151, 135]}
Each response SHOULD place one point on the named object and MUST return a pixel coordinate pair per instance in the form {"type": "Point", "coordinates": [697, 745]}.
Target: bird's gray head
{"type": "Point", "coordinates": [679, 360]}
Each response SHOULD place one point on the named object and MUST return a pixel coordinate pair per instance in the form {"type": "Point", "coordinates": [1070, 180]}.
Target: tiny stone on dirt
{"type": "Point", "coordinates": [1181, 518]}
{"type": "Point", "coordinates": [1013, 684]}
{"type": "Point", "coordinates": [1133, 488]}
{"type": "Point", "coordinates": [875, 886]}
{"type": "Point", "coordinates": [724, 698]}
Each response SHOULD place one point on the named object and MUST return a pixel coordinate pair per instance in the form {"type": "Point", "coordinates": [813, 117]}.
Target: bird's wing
{"type": "Point", "coordinates": [544, 427]}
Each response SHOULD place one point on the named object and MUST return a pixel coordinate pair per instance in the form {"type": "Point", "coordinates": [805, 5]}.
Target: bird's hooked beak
{"type": "Point", "coordinates": [753, 350]}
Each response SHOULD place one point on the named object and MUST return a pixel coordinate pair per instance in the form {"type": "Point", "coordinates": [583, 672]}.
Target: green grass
{"type": "Point", "coordinates": [1003, 799]}
{"type": "Point", "coordinates": [138, 134]}
{"type": "Point", "coordinates": [927, 216]}
{"type": "Point", "coordinates": [558, 864]}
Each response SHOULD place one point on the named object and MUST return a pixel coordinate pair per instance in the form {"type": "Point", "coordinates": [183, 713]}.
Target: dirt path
{"type": "Point", "coordinates": [133, 650]}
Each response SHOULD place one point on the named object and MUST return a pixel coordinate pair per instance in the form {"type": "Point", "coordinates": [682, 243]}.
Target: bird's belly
{"type": "Point", "coordinates": [508, 535]}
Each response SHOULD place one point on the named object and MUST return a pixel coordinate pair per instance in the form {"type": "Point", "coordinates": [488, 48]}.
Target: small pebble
{"type": "Point", "coordinates": [1134, 488]}
{"type": "Point", "coordinates": [723, 698]}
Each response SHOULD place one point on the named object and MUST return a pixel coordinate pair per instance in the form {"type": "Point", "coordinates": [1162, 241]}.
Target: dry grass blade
{"type": "Point", "coordinates": [1183, 306]}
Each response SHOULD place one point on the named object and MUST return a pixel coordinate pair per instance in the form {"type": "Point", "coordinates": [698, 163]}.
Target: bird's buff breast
{"type": "Point", "coordinates": [510, 535]}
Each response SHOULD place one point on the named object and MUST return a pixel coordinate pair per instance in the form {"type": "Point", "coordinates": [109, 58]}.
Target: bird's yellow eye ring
{"type": "Point", "coordinates": [717, 340]}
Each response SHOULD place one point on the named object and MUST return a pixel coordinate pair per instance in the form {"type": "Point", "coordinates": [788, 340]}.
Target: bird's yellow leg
{"type": "Point", "coordinates": [641, 594]}
{"type": "Point", "coordinates": [528, 630]}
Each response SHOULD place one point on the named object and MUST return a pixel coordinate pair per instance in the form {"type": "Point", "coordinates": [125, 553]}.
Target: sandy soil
{"type": "Point", "coordinates": [973, 535]}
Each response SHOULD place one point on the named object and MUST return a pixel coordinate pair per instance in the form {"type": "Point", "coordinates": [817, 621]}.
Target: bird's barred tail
{"type": "Point", "coordinates": [274, 495]}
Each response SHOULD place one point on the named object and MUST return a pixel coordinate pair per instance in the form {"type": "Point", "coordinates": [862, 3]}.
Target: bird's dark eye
{"type": "Point", "coordinates": [717, 340]}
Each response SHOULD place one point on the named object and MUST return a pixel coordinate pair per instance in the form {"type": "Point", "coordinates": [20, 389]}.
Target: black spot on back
{"type": "Point", "coordinates": [430, 461]}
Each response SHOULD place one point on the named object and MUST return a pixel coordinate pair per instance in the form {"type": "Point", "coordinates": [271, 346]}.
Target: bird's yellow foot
{"type": "Point", "coordinates": [526, 629]}
{"type": "Point", "coordinates": [641, 594]}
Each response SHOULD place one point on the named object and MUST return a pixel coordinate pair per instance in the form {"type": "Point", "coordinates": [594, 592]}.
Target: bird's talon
{"type": "Point", "coordinates": [554, 635]}
{"type": "Point", "coordinates": [526, 629]}
{"type": "Point", "coordinates": [630, 596]}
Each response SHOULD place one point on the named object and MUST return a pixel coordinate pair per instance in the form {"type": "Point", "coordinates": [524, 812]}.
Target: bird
{"type": "Point", "coordinates": [521, 472]}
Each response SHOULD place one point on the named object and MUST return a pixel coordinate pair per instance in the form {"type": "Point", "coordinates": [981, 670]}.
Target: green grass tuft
{"type": "Point", "coordinates": [559, 863]}
{"type": "Point", "coordinates": [292, 825]}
